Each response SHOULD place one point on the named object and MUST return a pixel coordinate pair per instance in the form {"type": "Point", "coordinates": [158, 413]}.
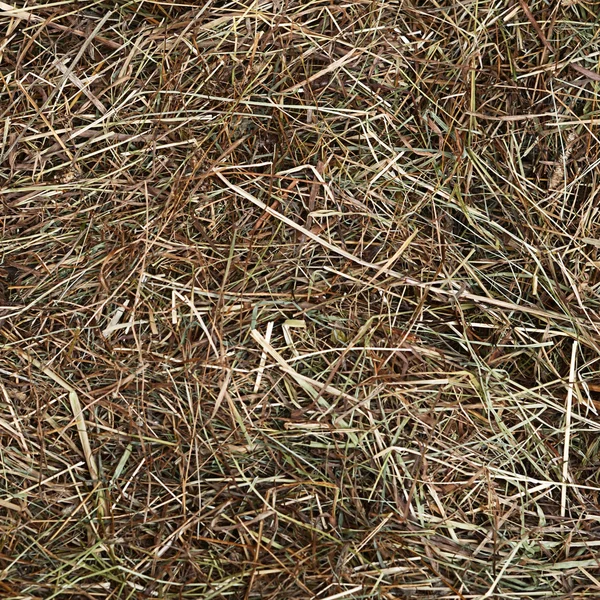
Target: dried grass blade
{"type": "Point", "coordinates": [83, 434]}
{"type": "Point", "coordinates": [75, 408]}
{"type": "Point", "coordinates": [567, 442]}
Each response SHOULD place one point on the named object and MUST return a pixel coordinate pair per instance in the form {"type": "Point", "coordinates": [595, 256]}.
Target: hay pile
{"type": "Point", "coordinates": [299, 299]}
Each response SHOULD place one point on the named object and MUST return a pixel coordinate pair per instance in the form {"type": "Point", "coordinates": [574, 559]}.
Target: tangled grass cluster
{"type": "Point", "coordinates": [299, 299]}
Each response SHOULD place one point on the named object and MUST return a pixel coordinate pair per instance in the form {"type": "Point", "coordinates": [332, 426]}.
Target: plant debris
{"type": "Point", "coordinates": [299, 300]}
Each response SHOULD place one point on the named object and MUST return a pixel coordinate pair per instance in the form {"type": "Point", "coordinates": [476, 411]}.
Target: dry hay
{"type": "Point", "coordinates": [299, 300]}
